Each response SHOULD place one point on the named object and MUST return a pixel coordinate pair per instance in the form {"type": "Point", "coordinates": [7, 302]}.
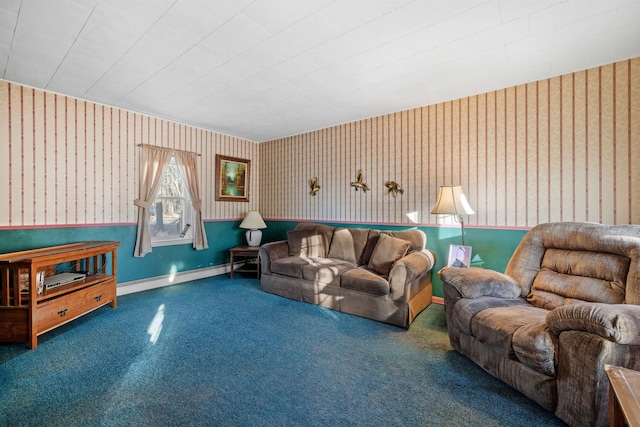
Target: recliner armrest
{"type": "Point", "coordinates": [478, 282]}
{"type": "Point", "coordinates": [619, 323]}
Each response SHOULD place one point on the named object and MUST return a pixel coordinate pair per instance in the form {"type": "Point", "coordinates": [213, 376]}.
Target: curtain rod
{"type": "Point", "coordinates": [168, 149]}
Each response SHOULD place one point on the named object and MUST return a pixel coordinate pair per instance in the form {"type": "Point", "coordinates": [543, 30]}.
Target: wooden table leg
{"type": "Point", "coordinates": [231, 260]}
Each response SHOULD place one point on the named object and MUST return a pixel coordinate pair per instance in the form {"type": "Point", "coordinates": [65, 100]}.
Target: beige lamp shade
{"type": "Point", "coordinates": [253, 222]}
{"type": "Point", "coordinates": [452, 201]}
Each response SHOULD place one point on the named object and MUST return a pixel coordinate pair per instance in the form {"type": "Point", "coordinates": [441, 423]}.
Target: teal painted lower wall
{"type": "Point", "coordinates": [221, 235]}
{"type": "Point", "coordinates": [492, 248]}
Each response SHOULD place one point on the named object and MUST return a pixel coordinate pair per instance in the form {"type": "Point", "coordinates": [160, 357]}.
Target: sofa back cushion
{"type": "Point", "coordinates": [568, 276]}
{"type": "Point", "coordinates": [347, 244]}
{"type": "Point", "coordinates": [565, 262]}
{"type": "Point", "coordinates": [307, 243]}
{"type": "Point", "coordinates": [372, 240]}
{"type": "Point", "coordinates": [354, 245]}
{"type": "Point", "coordinates": [325, 230]}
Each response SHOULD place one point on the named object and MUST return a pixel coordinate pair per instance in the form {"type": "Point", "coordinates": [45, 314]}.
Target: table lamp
{"type": "Point", "coordinates": [253, 222]}
{"type": "Point", "coordinates": [452, 201]}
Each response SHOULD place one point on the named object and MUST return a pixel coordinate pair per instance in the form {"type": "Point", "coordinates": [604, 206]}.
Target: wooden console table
{"type": "Point", "coordinates": [624, 395]}
{"type": "Point", "coordinates": [28, 309]}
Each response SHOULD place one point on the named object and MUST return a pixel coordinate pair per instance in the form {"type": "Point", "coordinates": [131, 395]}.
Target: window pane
{"type": "Point", "coordinates": [171, 210]}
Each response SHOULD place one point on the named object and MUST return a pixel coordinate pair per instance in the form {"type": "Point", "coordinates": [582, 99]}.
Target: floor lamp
{"type": "Point", "coordinates": [452, 201]}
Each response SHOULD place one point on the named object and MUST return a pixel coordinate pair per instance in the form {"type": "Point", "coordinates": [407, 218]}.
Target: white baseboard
{"type": "Point", "coordinates": [126, 288]}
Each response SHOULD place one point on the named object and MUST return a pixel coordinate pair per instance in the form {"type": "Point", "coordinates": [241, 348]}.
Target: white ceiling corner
{"type": "Point", "coordinates": [266, 69]}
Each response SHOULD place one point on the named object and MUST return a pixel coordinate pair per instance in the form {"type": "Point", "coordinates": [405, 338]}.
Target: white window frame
{"type": "Point", "coordinates": [189, 216]}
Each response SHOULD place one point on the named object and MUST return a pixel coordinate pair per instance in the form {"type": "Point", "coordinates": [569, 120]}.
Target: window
{"type": "Point", "coordinates": [171, 211]}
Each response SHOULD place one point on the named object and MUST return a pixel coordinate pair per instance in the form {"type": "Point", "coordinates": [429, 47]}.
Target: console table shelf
{"type": "Point", "coordinates": [73, 287]}
{"type": "Point", "coordinates": [27, 309]}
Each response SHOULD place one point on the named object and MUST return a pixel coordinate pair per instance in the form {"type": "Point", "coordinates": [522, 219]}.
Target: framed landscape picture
{"type": "Point", "coordinates": [232, 179]}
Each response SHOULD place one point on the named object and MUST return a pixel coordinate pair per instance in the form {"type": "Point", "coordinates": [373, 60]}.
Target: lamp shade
{"type": "Point", "coordinates": [253, 221]}
{"type": "Point", "coordinates": [452, 201]}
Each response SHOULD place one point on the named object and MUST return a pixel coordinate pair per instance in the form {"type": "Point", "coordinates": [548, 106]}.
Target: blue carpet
{"type": "Point", "coordinates": [222, 352]}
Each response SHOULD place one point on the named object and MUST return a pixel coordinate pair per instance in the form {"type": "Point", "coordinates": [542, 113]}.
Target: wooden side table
{"type": "Point", "coordinates": [624, 392]}
{"type": "Point", "coordinates": [250, 255]}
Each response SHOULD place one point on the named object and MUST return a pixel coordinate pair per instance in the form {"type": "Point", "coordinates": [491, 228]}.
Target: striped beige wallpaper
{"type": "Point", "coordinates": [71, 162]}
{"type": "Point", "coordinates": [558, 149]}
{"type": "Point", "coordinates": [561, 149]}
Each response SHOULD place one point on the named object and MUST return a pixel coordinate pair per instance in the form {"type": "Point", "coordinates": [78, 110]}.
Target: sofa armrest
{"type": "Point", "coordinates": [270, 252]}
{"type": "Point", "coordinates": [619, 323]}
{"type": "Point", "coordinates": [414, 264]}
{"type": "Point", "coordinates": [478, 282]}
{"type": "Point", "coordinates": [407, 269]}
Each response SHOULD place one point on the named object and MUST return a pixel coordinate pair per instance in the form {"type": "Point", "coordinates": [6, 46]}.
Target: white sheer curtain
{"type": "Point", "coordinates": [187, 165]}
{"type": "Point", "coordinates": [153, 164]}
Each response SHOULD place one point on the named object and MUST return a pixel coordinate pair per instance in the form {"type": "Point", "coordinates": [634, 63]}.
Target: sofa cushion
{"type": "Point", "coordinates": [372, 240]}
{"type": "Point", "coordinates": [326, 270]}
{"type": "Point", "coordinates": [465, 310]}
{"type": "Point", "coordinates": [290, 266]}
{"type": "Point", "coordinates": [348, 244]}
{"type": "Point", "coordinates": [342, 246]}
{"type": "Point", "coordinates": [495, 326]}
{"type": "Point", "coordinates": [325, 230]}
{"type": "Point", "coordinates": [535, 346]}
{"type": "Point", "coordinates": [362, 279]}
{"type": "Point", "coordinates": [306, 243]}
{"type": "Point", "coordinates": [360, 239]}
{"type": "Point", "coordinates": [388, 250]}
{"type": "Point", "coordinates": [570, 276]}
{"type": "Point", "coordinates": [415, 237]}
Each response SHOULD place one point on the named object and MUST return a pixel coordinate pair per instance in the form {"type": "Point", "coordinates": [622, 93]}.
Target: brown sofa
{"type": "Point", "coordinates": [567, 304]}
{"type": "Point", "coordinates": [381, 275]}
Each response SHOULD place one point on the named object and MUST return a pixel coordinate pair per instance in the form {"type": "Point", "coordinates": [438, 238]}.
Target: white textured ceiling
{"type": "Point", "coordinates": [266, 69]}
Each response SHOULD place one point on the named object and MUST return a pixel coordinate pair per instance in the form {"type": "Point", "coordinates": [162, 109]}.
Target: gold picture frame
{"type": "Point", "coordinates": [232, 179]}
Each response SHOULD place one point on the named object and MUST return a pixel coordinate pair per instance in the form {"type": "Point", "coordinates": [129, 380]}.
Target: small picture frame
{"type": "Point", "coordinates": [232, 179]}
{"type": "Point", "coordinates": [459, 256]}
